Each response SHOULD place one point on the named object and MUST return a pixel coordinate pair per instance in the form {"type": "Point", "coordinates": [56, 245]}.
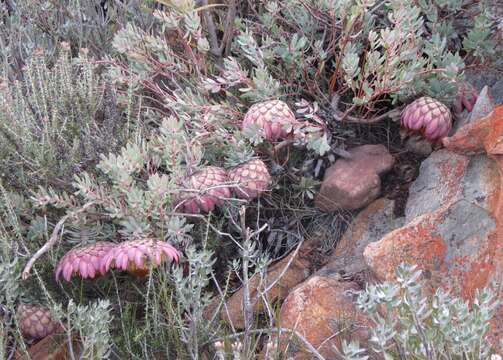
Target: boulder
{"type": "Point", "coordinates": [319, 308]}
{"type": "Point", "coordinates": [322, 311]}
{"type": "Point", "coordinates": [353, 183]}
{"type": "Point", "coordinates": [371, 224]}
{"type": "Point", "coordinates": [454, 217]}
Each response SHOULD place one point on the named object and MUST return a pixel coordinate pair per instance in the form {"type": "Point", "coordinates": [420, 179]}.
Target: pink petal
{"type": "Point", "coordinates": [138, 259]}
{"type": "Point", "coordinates": [58, 272]}
{"type": "Point", "coordinates": [67, 271]}
{"type": "Point", "coordinates": [468, 104]}
{"type": "Point", "coordinates": [157, 258]}
{"type": "Point", "coordinates": [122, 261]}
{"type": "Point", "coordinates": [84, 270]}
{"type": "Point", "coordinates": [432, 127]}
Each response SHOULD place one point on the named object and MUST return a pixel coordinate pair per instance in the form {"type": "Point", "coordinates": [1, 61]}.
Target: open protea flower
{"type": "Point", "coordinates": [428, 117]}
{"type": "Point", "coordinates": [36, 322]}
{"type": "Point", "coordinates": [135, 256]}
{"type": "Point", "coordinates": [466, 98]}
{"type": "Point", "coordinates": [252, 179]}
{"type": "Point", "coordinates": [274, 118]}
{"type": "Point", "coordinates": [204, 190]}
{"type": "Point", "coordinates": [83, 261]}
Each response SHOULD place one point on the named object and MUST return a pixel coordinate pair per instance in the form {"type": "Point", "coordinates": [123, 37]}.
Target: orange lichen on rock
{"type": "Point", "coordinates": [400, 246]}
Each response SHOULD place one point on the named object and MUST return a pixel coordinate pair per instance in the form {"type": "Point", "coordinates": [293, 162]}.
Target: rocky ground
{"type": "Point", "coordinates": [451, 226]}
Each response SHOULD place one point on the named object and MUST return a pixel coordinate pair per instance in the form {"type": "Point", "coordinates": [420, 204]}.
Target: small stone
{"type": "Point", "coordinates": [454, 218]}
{"type": "Point", "coordinates": [353, 183]}
{"type": "Point", "coordinates": [418, 146]}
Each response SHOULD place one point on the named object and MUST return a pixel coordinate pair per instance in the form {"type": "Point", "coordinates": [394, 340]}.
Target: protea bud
{"type": "Point", "coordinates": [83, 261]}
{"type": "Point", "coordinates": [428, 117]}
{"type": "Point", "coordinates": [465, 98]}
{"type": "Point", "coordinates": [251, 178]}
{"type": "Point", "coordinates": [204, 190]}
{"type": "Point", "coordinates": [36, 322]}
{"type": "Point", "coordinates": [135, 256]}
{"type": "Point", "coordinates": [274, 118]}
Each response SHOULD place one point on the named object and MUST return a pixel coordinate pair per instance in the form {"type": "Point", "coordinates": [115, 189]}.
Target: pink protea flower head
{"type": "Point", "coordinates": [83, 261]}
{"type": "Point", "coordinates": [466, 98]}
{"type": "Point", "coordinates": [36, 321]}
{"type": "Point", "coordinates": [252, 179]}
{"type": "Point", "coordinates": [204, 190]}
{"type": "Point", "coordinates": [275, 119]}
{"type": "Point", "coordinates": [429, 117]}
{"type": "Point", "coordinates": [135, 256]}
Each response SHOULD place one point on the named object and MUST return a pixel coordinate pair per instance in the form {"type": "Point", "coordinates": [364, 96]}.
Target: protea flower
{"type": "Point", "coordinates": [251, 178]}
{"type": "Point", "coordinates": [135, 256]}
{"type": "Point", "coordinates": [36, 322]}
{"type": "Point", "coordinates": [274, 118]}
{"type": "Point", "coordinates": [83, 261]}
{"type": "Point", "coordinates": [204, 190]}
{"type": "Point", "coordinates": [428, 117]}
{"type": "Point", "coordinates": [466, 98]}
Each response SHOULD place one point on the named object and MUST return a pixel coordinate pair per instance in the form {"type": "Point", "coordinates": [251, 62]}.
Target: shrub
{"type": "Point", "coordinates": [108, 106]}
{"type": "Point", "coordinates": [408, 323]}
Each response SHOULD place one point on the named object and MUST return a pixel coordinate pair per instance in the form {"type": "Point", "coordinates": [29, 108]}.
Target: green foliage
{"type": "Point", "coordinates": [105, 113]}
{"type": "Point", "coordinates": [478, 41]}
{"type": "Point", "coordinates": [53, 123]}
{"type": "Point", "coordinates": [91, 323]}
{"type": "Point", "coordinates": [409, 322]}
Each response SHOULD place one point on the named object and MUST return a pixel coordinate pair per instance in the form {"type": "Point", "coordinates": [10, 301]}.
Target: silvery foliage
{"type": "Point", "coordinates": [9, 262]}
{"type": "Point", "coordinates": [92, 324]}
{"type": "Point", "coordinates": [408, 322]}
{"type": "Point", "coordinates": [48, 127]}
{"type": "Point", "coordinates": [401, 59]}
{"type": "Point", "coordinates": [192, 298]}
{"type": "Point", "coordinates": [141, 203]}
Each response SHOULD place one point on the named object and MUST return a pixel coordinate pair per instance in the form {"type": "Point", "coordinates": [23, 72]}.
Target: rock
{"type": "Point", "coordinates": [446, 177]}
{"type": "Point", "coordinates": [319, 307]}
{"type": "Point", "coordinates": [371, 224]}
{"type": "Point", "coordinates": [450, 244]}
{"type": "Point", "coordinates": [298, 268]}
{"type": "Point", "coordinates": [353, 183]}
{"type": "Point", "coordinates": [483, 106]}
{"type": "Point", "coordinates": [437, 183]}
{"type": "Point", "coordinates": [454, 229]}
{"type": "Point", "coordinates": [418, 146]}
{"type": "Point", "coordinates": [490, 78]}
{"type": "Point", "coordinates": [317, 310]}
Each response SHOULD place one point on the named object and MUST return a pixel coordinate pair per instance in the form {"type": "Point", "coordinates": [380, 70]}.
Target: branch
{"type": "Point", "coordinates": [228, 28]}
{"type": "Point", "coordinates": [52, 240]}
{"type": "Point", "coordinates": [210, 25]}
{"type": "Point", "coordinates": [219, 49]}
{"type": "Point", "coordinates": [340, 116]}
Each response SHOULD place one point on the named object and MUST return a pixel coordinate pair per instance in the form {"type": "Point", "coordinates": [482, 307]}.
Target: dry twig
{"type": "Point", "coordinates": [52, 240]}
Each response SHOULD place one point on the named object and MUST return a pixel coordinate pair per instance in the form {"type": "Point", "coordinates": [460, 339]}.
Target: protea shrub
{"type": "Point", "coordinates": [136, 256]}
{"type": "Point", "coordinates": [204, 190]}
{"type": "Point", "coordinates": [465, 98]}
{"type": "Point", "coordinates": [36, 322]}
{"type": "Point", "coordinates": [83, 261]}
{"type": "Point", "coordinates": [251, 179]}
{"type": "Point", "coordinates": [274, 119]}
{"type": "Point", "coordinates": [428, 117]}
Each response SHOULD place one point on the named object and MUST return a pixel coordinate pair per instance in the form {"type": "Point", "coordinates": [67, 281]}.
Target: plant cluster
{"type": "Point", "coordinates": [409, 323]}
{"type": "Point", "coordinates": [202, 126]}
